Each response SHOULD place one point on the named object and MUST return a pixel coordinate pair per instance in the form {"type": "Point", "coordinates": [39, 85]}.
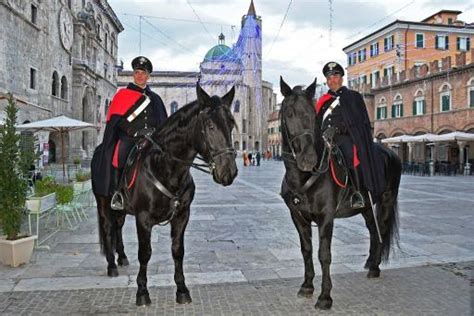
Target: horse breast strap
{"type": "Point", "coordinates": [331, 108]}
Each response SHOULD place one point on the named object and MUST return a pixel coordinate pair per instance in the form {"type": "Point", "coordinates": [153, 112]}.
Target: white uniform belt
{"type": "Point", "coordinates": [139, 110]}
{"type": "Point", "coordinates": [333, 105]}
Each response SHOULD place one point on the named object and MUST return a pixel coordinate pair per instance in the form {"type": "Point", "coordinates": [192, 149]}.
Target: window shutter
{"type": "Point", "coordinates": [385, 40]}
{"type": "Point", "coordinates": [401, 110]}
{"type": "Point", "coordinates": [393, 110]}
{"type": "Point", "coordinates": [414, 107]}
{"type": "Point", "coordinates": [424, 107]}
{"type": "Point", "coordinates": [378, 113]}
{"type": "Point", "coordinates": [393, 41]}
{"type": "Point", "coordinates": [446, 42]}
{"type": "Point", "coordinates": [471, 94]}
{"type": "Point", "coordinates": [437, 41]}
{"type": "Point", "coordinates": [458, 43]}
{"type": "Point", "coordinates": [468, 44]}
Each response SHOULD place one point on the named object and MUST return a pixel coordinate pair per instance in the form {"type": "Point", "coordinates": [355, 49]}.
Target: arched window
{"type": "Point", "coordinates": [69, 4]}
{"type": "Point", "coordinates": [419, 103]}
{"type": "Point", "coordinates": [470, 93]}
{"type": "Point", "coordinates": [237, 106]}
{"type": "Point", "coordinates": [397, 106]}
{"type": "Point", "coordinates": [445, 97]}
{"type": "Point", "coordinates": [381, 109]}
{"type": "Point", "coordinates": [55, 84]}
{"type": "Point", "coordinates": [174, 107]}
{"type": "Point", "coordinates": [112, 43]}
{"type": "Point", "coordinates": [64, 88]}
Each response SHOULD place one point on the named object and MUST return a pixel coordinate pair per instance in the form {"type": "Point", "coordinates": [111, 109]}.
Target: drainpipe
{"type": "Point", "coordinates": [406, 48]}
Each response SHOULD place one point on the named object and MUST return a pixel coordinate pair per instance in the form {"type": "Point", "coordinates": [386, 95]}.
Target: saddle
{"type": "Point", "coordinates": [130, 171]}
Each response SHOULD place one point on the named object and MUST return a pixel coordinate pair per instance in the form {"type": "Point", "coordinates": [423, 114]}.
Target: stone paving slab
{"type": "Point", "coordinates": [244, 233]}
{"type": "Point", "coordinates": [429, 290]}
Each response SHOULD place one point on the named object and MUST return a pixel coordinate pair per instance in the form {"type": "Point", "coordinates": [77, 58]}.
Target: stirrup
{"type": "Point", "coordinates": [357, 200]}
{"type": "Point", "coordinates": [116, 203]}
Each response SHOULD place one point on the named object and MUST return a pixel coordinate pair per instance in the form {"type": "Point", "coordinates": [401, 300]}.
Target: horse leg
{"type": "Point", "coordinates": [325, 228]}
{"type": "Point", "coordinates": [304, 231]}
{"type": "Point", "coordinates": [106, 234]}
{"type": "Point", "coordinates": [144, 254]}
{"type": "Point", "coordinates": [375, 250]}
{"type": "Point", "coordinates": [178, 225]}
{"type": "Point", "coordinates": [122, 259]}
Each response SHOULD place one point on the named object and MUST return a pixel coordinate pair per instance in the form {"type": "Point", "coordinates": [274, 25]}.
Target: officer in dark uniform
{"type": "Point", "coordinates": [342, 114]}
{"type": "Point", "coordinates": [134, 111]}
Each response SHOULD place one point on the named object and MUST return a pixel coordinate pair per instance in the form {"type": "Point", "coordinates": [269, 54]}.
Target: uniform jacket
{"type": "Point", "coordinates": [356, 119]}
{"type": "Point", "coordinates": [102, 164]}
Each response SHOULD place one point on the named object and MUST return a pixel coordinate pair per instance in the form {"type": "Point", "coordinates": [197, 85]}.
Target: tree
{"type": "Point", "coordinates": [13, 181]}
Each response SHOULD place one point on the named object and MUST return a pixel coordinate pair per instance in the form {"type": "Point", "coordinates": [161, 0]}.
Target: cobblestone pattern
{"type": "Point", "coordinates": [429, 290]}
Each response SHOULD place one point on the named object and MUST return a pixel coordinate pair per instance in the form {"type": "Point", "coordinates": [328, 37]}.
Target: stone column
{"type": "Point", "coordinates": [410, 151]}
{"type": "Point", "coordinates": [462, 148]}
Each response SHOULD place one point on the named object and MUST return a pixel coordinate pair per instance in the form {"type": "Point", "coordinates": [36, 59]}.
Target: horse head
{"type": "Point", "coordinates": [213, 139]}
{"type": "Point", "coordinates": [298, 122]}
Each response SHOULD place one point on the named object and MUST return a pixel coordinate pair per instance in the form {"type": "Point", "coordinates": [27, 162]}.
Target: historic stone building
{"type": "Point", "coordinates": [58, 57]}
{"type": "Point", "coordinates": [222, 68]}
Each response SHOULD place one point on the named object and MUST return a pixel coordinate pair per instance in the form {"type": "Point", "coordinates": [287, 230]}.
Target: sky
{"type": "Point", "coordinates": [297, 35]}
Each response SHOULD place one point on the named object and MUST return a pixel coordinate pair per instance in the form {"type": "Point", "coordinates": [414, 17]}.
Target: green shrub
{"type": "Point", "coordinates": [13, 183]}
{"type": "Point", "coordinates": [64, 194]}
{"type": "Point", "coordinates": [83, 176]}
{"type": "Point", "coordinates": [45, 186]}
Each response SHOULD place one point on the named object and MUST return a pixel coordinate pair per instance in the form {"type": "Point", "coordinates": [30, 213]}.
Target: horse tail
{"type": "Point", "coordinates": [387, 210]}
{"type": "Point", "coordinates": [107, 225]}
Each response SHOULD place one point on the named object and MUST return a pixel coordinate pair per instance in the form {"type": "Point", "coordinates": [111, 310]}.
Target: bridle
{"type": "Point", "coordinates": [290, 141]}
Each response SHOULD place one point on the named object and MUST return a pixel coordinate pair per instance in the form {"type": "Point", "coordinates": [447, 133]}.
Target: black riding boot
{"type": "Point", "coordinates": [116, 203]}
{"type": "Point", "coordinates": [357, 200]}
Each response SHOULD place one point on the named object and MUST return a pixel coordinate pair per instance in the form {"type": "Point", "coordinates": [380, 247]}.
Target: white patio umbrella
{"type": "Point", "coordinates": [61, 124]}
{"type": "Point", "coordinates": [453, 136]}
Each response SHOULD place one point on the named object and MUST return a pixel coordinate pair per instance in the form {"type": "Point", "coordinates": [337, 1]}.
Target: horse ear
{"type": "Point", "coordinates": [284, 88]}
{"type": "Point", "coordinates": [202, 97]}
{"type": "Point", "coordinates": [311, 89]}
{"type": "Point", "coordinates": [227, 99]}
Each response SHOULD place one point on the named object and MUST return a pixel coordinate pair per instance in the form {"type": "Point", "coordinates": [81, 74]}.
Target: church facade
{"type": "Point", "coordinates": [222, 68]}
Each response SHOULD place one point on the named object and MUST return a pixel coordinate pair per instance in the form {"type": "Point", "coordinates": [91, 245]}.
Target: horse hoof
{"type": "Point", "coordinates": [143, 300]}
{"type": "Point", "coordinates": [123, 262]}
{"type": "Point", "coordinates": [373, 274]}
{"type": "Point", "coordinates": [323, 304]}
{"type": "Point", "coordinates": [183, 298]}
{"type": "Point", "coordinates": [305, 292]}
{"type": "Point", "coordinates": [112, 272]}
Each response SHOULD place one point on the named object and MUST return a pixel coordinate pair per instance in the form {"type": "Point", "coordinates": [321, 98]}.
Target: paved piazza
{"type": "Point", "coordinates": [243, 257]}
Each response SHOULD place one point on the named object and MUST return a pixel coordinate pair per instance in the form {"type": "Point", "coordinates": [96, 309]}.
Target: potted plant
{"type": "Point", "coordinates": [82, 181]}
{"type": "Point", "coordinates": [15, 248]}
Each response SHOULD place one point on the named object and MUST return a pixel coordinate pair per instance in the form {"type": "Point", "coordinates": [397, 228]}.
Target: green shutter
{"type": "Point", "coordinates": [471, 102]}
{"type": "Point", "coordinates": [447, 42]}
{"type": "Point", "coordinates": [458, 43]}
{"type": "Point", "coordinates": [401, 110]}
{"type": "Point", "coordinates": [414, 108]}
{"type": "Point", "coordinates": [423, 107]}
{"type": "Point", "coordinates": [378, 113]}
{"type": "Point", "coordinates": [468, 44]}
{"type": "Point", "coordinates": [393, 110]}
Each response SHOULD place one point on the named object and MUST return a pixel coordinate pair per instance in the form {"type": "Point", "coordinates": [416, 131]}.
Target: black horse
{"type": "Point", "coordinates": [164, 188]}
{"type": "Point", "coordinates": [312, 195]}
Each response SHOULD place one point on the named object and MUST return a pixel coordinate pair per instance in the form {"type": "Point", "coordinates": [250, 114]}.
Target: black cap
{"type": "Point", "coordinates": [141, 62]}
{"type": "Point", "coordinates": [332, 68]}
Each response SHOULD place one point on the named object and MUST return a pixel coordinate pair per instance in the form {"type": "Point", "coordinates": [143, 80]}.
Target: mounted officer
{"type": "Point", "coordinates": [134, 112]}
{"type": "Point", "coordinates": [343, 117]}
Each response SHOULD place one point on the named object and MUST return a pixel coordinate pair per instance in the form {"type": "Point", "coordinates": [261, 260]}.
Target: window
{"type": "Point", "coordinates": [244, 126]}
{"type": "Point", "coordinates": [33, 78]}
{"type": "Point", "coordinates": [375, 78]}
{"type": "Point", "coordinates": [388, 43]}
{"type": "Point", "coordinates": [397, 107]}
{"type": "Point", "coordinates": [237, 106]}
{"type": "Point", "coordinates": [34, 14]}
{"type": "Point", "coordinates": [374, 49]}
{"type": "Point", "coordinates": [471, 98]}
{"type": "Point", "coordinates": [442, 42]}
{"type": "Point", "coordinates": [351, 58]}
{"type": "Point", "coordinates": [382, 112]}
{"type": "Point", "coordinates": [470, 93]}
{"type": "Point", "coordinates": [69, 4]}
{"type": "Point", "coordinates": [174, 107]}
{"type": "Point", "coordinates": [363, 79]}
{"type": "Point", "coordinates": [388, 72]}
{"type": "Point", "coordinates": [105, 71]}
{"type": "Point", "coordinates": [64, 88]}
{"type": "Point", "coordinates": [362, 55]}
{"type": "Point", "coordinates": [445, 97]}
{"type": "Point", "coordinates": [463, 43]}
{"type": "Point", "coordinates": [419, 106]}
{"type": "Point", "coordinates": [450, 20]}
{"type": "Point", "coordinates": [55, 84]}
{"type": "Point", "coordinates": [420, 40]}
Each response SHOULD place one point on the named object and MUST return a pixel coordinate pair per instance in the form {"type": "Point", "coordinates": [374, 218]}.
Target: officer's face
{"type": "Point", "coordinates": [140, 77]}
{"type": "Point", "coordinates": [334, 82]}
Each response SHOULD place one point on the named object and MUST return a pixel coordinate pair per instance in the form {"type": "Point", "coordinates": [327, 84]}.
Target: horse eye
{"type": "Point", "coordinates": [210, 126]}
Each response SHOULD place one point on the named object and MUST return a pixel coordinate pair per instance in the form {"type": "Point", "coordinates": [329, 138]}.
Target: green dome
{"type": "Point", "coordinates": [221, 52]}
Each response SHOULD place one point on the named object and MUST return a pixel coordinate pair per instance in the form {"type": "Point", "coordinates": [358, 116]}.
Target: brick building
{"type": "Point", "coordinates": [427, 88]}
